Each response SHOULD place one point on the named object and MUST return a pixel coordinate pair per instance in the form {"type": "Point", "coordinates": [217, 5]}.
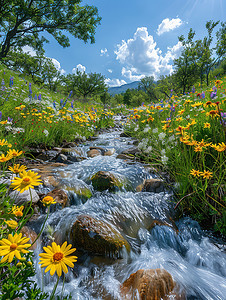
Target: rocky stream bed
{"type": "Point", "coordinates": [119, 215]}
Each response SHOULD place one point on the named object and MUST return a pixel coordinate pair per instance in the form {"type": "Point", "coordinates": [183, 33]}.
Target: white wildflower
{"type": "Point", "coordinates": [164, 159]}
{"type": "Point", "coordinates": [155, 130]}
{"type": "Point", "coordinates": [162, 135]}
{"type": "Point", "coordinates": [46, 132]}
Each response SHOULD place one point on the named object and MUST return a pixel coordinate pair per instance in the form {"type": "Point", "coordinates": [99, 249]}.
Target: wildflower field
{"type": "Point", "coordinates": [31, 117]}
{"type": "Point", "coordinates": [185, 136]}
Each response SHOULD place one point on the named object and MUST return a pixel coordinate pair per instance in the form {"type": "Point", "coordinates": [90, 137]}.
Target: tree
{"type": "Point", "coordinates": [41, 68]}
{"type": "Point", "coordinates": [85, 85]}
{"type": "Point", "coordinates": [203, 55]}
{"type": "Point", "coordinates": [148, 85]}
{"type": "Point", "coordinates": [185, 72]}
{"type": "Point", "coordinates": [22, 21]}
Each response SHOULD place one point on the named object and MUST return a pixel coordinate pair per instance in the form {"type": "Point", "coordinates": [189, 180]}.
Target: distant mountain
{"type": "Point", "coordinates": [121, 89]}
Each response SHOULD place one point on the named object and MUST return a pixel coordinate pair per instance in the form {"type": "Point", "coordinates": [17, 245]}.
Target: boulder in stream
{"type": "Point", "coordinates": [153, 185]}
{"type": "Point", "coordinates": [97, 237]}
{"type": "Point", "coordinates": [93, 153]}
{"type": "Point", "coordinates": [150, 284]}
{"type": "Point", "coordinates": [59, 196]}
{"type": "Point", "coordinates": [103, 180]}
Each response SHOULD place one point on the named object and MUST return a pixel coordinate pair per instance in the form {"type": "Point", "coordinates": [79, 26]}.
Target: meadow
{"type": "Point", "coordinates": [183, 136]}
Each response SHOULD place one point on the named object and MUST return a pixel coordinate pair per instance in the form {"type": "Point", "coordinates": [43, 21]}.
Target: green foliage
{"type": "Point", "coordinates": [21, 23]}
{"type": "Point", "coordinates": [85, 85]}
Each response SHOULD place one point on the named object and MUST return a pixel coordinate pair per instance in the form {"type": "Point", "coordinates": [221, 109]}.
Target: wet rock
{"type": "Point", "coordinates": [151, 185]}
{"type": "Point", "coordinates": [163, 223]}
{"type": "Point", "coordinates": [151, 284]}
{"type": "Point", "coordinates": [71, 151]}
{"type": "Point", "coordinates": [61, 158]}
{"type": "Point", "coordinates": [49, 180]}
{"type": "Point", "coordinates": [23, 198]}
{"type": "Point", "coordinates": [59, 196]}
{"type": "Point", "coordinates": [48, 155]}
{"type": "Point", "coordinates": [103, 180]}
{"type": "Point", "coordinates": [109, 152]}
{"type": "Point", "coordinates": [93, 153]}
{"type": "Point", "coordinates": [31, 234]}
{"type": "Point", "coordinates": [132, 151]}
{"type": "Point", "coordinates": [97, 237]}
{"type": "Point", "coordinates": [102, 150]}
{"type": "Point", "coordinates": [124, 156]}
{"type": "Point", "coordinates": [80, 189]}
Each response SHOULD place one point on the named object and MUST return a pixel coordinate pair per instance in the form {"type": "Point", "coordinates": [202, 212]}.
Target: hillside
{"type": "Point", "coordinates": [121, 89]}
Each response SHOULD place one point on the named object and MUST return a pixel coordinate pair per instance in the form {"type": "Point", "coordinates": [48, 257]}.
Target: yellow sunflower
{"type": "Point", "coordinates": [17, 168]}
{"type": "Point", "coordinates": [13, 246]}
{"type": "Point", "coordinates": [3, 142]}
{"type": "Point", "coordinates": [25, 181]}
{"type": "Point", "coordinates": [57, 258]}
{"type": "Point", "coordinates": [17, 210]}
{"type": "Point", "coordinates": [14, 153]}
{"type": "Point", "coordinates": [206, 174]}
{"type": "Point", "coordinates": [48, 200]}
{"type": "Point", "coordinates": [12, 224]}
{"type": "Point", "coordinates": [4, 158]}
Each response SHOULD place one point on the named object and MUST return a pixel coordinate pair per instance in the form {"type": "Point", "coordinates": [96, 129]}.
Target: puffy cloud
{"type": "Point", "coordinates": [29, 50]}
{"type": "Point", "coordinates": [79, 67]}
{"type": "Point", "coordinates": [168, 25]}
{"type": "Point", "coordinates": [141, 57]}
{"type": "Point", "coordinates": [104, 52]}
{"type": "Point", "coordinates": [114, 82]}
{"type": "Point", "coordinates": [110, 70]}
{"type": "Point", "coordinates": [58, 66]}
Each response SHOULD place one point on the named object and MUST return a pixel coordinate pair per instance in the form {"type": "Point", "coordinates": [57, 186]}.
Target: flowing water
{"type": "Point", "coordinates": [196, 262]}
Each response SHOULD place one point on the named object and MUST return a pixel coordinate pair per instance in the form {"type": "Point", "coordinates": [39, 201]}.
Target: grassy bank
{"type": "Point", "coordinates": [185, 136]}
{"type": "Point", "coordinates": [31, 116]}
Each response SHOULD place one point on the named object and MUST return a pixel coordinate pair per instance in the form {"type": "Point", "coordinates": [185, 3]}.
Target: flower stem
{"type": "Point", "coordinates": [54, 289]}
{"type": "Point", "coordinates": [43, 226]}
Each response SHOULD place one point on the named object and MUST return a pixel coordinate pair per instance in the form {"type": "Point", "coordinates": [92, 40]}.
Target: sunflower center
{"type": "Point", "coordinates": [13, 246]}
{"type": "Point", "coordinates": [58, 256]}
{"type": "Point", "coordinates": [26, 179]}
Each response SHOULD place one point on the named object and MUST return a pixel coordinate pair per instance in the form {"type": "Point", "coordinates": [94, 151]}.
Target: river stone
{"type": "Point", "coordinates": [59, 196]}
{"type": "Point", "coordinates": [49, 180]}
{"type": "Point", "coordinates": [131, 151]}
{"type": "Point", "coordinates": [124, 156]}
{"type": "Point", "coordinates": [61, 158]}
{"type": "Point", "coordinates": [26, 196]}
{"type": "Point", "coordinates": [103, 180]}
{"type": "Point", "coordinates": [97, 237]}
{"type": "Point", "coordinates": [151, 284]}
{"type": "Point", "coordinates": [102, 150]}
{"type": "Point", "coordinates": [93, 152]}
{"type": "Point", "coordinates": [31, 234]}
{"type": "Point", "coordinates": [80, 189]}
{"type": "Point", "coordinates": [151, 185]}
{"type": "Point", "coordinates": [109, 152]}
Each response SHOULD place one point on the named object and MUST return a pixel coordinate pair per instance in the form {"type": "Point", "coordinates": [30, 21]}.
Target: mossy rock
{"type": "Point", "coordinates": [81, 191]}
{"type": "Point", "coordinates": [97, 237]}
{"type": "Point", "coordinates": [103, 180]}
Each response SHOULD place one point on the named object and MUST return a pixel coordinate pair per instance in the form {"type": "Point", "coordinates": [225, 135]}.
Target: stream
{"type": "Point", "coordinates": [196, 261]}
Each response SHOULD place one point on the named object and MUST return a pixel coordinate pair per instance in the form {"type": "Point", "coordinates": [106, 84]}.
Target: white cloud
{"type": "Point", "coordinates": [29, 50]}
{"type": "Point", "coordinates": [110, 71]}
{"type": "Point", "coordinates": [168, 25]}
{"type": "Point", "coordinates": [79, 67]}
{"type": "Point", "coordinates": [141, 57]}
{"type": "Point", "coordinates": [104, 52]}
{"type": "Point", "coordinates": [114, 82]}
{"type": "Point", "coordinates": [58, 66]}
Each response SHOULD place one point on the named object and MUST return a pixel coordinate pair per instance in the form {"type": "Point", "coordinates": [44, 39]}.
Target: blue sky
{"type": "Point", "coordinates": [136, 38]}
